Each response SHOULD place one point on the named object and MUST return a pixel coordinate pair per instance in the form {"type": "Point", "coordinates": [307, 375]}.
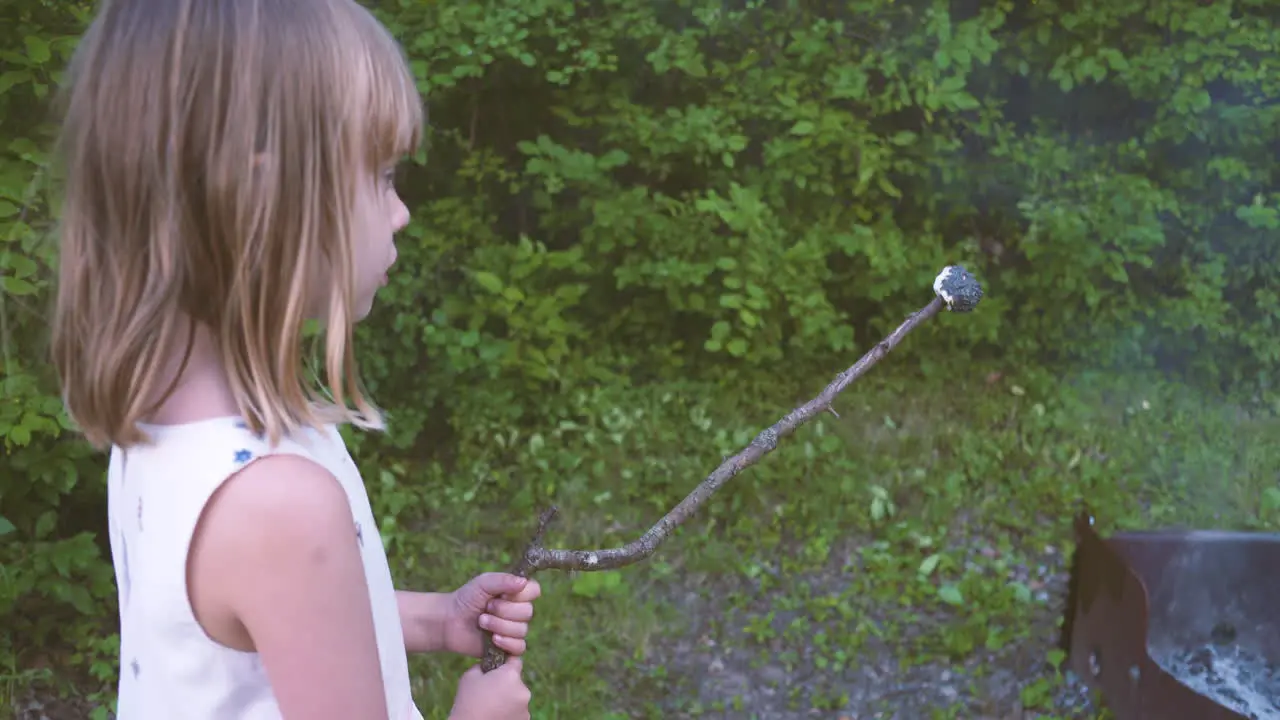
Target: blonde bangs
{"type": "Point", "coordinates": [388, 93]}
{"type": "Point", "coordinates": [386, 125]}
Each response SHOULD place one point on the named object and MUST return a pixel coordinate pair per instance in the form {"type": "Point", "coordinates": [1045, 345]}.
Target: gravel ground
{"type": "Point", "coordinates": [36, 705]}
{"type": "Point", "coordinates": [714, 661]}
{"type": "Point", "coordinates": [711, 660]}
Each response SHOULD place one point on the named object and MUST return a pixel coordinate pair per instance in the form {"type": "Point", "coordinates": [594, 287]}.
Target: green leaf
{"type": "Point", "coordinates": [887, 187]}
{"type": "Point", "coordinates": [46, 523]}
{"type": "Point", "coordinates": [1271, 499]}
{"type": "Point", "coordinates": [953, 84]}
{"type": "Point", "coordinates": [903, 138]}
{"type": "Point", "coordinates": [929, 564]}
{"type": "Point", "coordinates": [6, 527]}
{"type": "Point", "coordinates": [803, 127]}
{"type": "Point", "coordinates": [22, 266]}
{"type": "Point", "coordinates": [11, 78]}
{"type": "Point", "coordinates": [950, 594]}
{"type": "Point", "coordinates": [964, 101]}
{"type": "Point", "coordinates": [18, 286]}
{"type": "Point", "coordinates": [489, 281]}
{"type": "Point", "coordinates": [1021, 592]}
{"type": "Point", "coordinates": [37, 49]}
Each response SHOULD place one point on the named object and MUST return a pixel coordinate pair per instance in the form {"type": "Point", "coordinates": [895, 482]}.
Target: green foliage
{"type": "Point", "coordinates": [919, 521]}
{"type": "Point", "coordinates": [54, 584]}
{"type": "Point", "coordinates": [704, 197]}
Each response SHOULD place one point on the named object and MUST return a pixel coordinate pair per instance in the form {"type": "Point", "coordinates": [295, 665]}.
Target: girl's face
{"type": "Point", "coordinates": [379, 214]}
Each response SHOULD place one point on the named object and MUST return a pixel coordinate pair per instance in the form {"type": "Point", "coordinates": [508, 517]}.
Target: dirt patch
{"type": "Point", "coordinates": [747, 660]}
{"type": "Point", "coordinates": [39, 703]}
{"type": "Point", "coordinates": [718, 666]}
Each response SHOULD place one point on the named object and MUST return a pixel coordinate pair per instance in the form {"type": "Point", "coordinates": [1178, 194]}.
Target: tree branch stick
{"type": "Point", "coordinates": [955, 289]}
{"type": "Point", "coordinates": [494, 656]}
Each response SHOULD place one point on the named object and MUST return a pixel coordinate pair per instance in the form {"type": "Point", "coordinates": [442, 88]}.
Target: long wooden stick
{"type": "Point", "coordinates": [955, 289]}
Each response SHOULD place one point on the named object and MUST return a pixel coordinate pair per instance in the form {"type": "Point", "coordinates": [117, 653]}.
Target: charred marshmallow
{"type": "Point", "coordinates": [957, 288]}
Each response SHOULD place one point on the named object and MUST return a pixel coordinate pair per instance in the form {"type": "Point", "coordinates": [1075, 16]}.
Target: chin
{"type": "Point", "coordinates": [363, 307]}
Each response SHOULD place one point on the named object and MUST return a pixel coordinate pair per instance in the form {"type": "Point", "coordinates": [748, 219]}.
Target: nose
{"type": "Point", "coordinates": [399, 215]}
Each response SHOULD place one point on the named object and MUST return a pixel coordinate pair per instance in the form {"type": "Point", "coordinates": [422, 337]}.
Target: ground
{"type": "Point", "coordinates": [906, 560]}
{"type": "Point", "coordinates": [726, 673]}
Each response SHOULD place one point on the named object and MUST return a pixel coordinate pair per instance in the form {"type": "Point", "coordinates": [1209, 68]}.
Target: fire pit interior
{"type": "Point", "coordinates": [1170, 625]}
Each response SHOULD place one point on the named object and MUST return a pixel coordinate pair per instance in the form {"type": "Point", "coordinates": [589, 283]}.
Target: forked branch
{"type": "Point", "coordinates": [955, 289]}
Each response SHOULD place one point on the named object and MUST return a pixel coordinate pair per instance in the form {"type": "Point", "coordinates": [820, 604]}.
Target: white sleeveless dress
{"type": "Point", "coordinates": [169, 668]}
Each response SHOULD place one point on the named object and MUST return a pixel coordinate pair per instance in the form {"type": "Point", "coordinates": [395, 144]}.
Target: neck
{"type": "Point", "coordinates": [200, 389]}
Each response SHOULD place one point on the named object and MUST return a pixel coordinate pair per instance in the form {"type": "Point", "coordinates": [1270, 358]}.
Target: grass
{"type": "Point", "coordinates": [911, 551]}
{"type": "Point", "coordinates": [922, 530]}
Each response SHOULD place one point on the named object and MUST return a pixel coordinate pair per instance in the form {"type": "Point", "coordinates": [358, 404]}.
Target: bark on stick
{"type": "Point", "coordinates": [954, 289]}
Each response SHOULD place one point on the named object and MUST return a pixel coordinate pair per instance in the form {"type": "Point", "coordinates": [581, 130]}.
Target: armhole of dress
{"type": "Point", "coordinates": [258, 452]}
{"type": "Point", "coordinates": [125, 578]}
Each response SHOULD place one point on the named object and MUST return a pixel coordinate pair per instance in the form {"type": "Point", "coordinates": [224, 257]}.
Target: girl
{"type": "Point", "coordinates": [228, 176]}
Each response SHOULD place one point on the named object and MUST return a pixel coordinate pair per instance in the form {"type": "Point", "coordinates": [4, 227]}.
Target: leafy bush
{"type": "Point", "coordinates": [646, 192]}
{"type": "Point", "coordinates": [54, 583]}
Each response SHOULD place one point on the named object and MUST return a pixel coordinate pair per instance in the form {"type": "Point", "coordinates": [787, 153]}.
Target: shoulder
{"type": "Point", "coordinates": [276, 530]}
{"type": "Point", "coordinates": [278, 501]}
{"type": "Point", "coordinates": [277, 554]}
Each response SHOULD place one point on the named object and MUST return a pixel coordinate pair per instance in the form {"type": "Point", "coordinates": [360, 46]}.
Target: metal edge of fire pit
{"type": "Point", "coordinates": [1106, 627]}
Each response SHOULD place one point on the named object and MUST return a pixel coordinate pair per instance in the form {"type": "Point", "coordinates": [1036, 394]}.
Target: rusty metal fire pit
{"type": "Point", "coordinates": [1176, 625]}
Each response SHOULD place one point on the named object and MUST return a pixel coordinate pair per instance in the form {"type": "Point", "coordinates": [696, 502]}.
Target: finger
{"type": "Point", "coordinates": [513, 646]}
{"type": "Point", "coordinates": [498, 626]}
{"type": "Point", "coordinates": [514, 663]}
{"type": "Point", "coordinates": [518, 611]}
{"type": "Point", "coordinates": [497, 583]}
{"type": "Point", "coordinates": [531, 591]}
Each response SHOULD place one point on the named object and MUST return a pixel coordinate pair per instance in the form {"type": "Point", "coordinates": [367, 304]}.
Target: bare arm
{"type": "Point", "coordinates": [422, 615]}
{"type": "Point", "coordinates": [275, 565]}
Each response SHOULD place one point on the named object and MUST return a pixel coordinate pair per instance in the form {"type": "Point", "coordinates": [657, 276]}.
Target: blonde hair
{"type": "Point", "coordinates": [211, 151]}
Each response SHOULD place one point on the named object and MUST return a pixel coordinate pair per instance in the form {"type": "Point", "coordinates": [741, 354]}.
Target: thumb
{"type": "Point", "coordinates": [496, 583]}
{"type": "Point", "coordinates": [513, 665]}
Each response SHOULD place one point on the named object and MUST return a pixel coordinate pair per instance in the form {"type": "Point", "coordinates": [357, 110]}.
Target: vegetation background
{"type": "Point", "coordinates": [644, 229]}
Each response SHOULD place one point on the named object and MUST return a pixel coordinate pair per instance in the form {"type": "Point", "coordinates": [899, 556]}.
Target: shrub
{"type": "Point", "coordinates": [654, 191]}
